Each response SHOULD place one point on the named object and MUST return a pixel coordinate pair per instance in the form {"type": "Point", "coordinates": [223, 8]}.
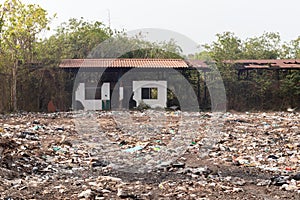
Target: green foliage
{"type": "Point", "coordinates": [73, 39]}
{"type": "Point", "coordinates": [230, 47]}
{"type": "Point", "coordinates": [227, 47]}
{"type": "Point", "coordinates": [291, 84]}
{"type": "Point", "coordinates": [292, 49]}
{"type": "Point", "coordinates": [20, 24]}
{"type": "Point", "coordinates": [262, 90]}
{"type": "Point", "coordinates": [203, 55]}
{"type": "Point", "coordinates": [1, 21]}
{"type": "Point", "coordinates": [266, 46]}
{"type": "Point", "coordinates": [124, 46]}
{"type": "Point", "coordinates": [81, 36]}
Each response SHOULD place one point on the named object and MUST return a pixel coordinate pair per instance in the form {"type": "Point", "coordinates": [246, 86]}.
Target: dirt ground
{"type": "Point", "coordinates": [53, 156]}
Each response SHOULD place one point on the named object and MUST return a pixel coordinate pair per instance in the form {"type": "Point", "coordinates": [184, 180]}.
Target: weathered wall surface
{"type": "Point", "coordinates": [161, 86]}
{"type": "Point", "coordinates": [92, 104]}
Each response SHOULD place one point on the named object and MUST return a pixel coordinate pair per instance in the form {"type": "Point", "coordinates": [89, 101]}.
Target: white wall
{"type": "Point", "coordinates": [137, 86]}
{"type": "Point", "coordinates": [105, 93]}
{"type": "Point", "coordinates": [92, 104]}
{"type": "Point", "coordinates": [161, 86]}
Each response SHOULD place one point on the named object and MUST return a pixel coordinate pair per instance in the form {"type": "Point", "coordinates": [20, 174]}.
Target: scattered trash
{"type": "Point", "coordinates": [157, 148]}
{"type": "Point", "coordinates": [133, 149]}
{"type": "Point", "coordinates": [43, 156]}
{"type": "Point", "coordinates": [99, 163]}
{"type": "Point", "coordinates": [122, 143]}
{"type": "Point", "coordinates": [273, 157]}
{"type": "Point", "coordinates": [86, 194]}
{"type": "Point", "coordinates": [178, 165]}
{"type": "Point", "coordinates": [56, 148]}
{"type": "Point", "coordinates": [51, 106]}
{"type": "Point", "coordinates": [279, 180]}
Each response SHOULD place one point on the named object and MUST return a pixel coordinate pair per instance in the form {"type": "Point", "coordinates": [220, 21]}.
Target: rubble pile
{"type": "Point", "coordinates": [150, 155]}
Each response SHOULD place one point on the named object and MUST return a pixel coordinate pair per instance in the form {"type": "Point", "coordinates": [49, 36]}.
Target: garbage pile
{"type": "Point", "coordinates": [150, 155]}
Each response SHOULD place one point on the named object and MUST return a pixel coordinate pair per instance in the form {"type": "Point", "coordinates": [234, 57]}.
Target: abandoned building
{"type": "Point", "coordinates": [103, 84]}
{"type": "Point", "coordinates": [281, 66]}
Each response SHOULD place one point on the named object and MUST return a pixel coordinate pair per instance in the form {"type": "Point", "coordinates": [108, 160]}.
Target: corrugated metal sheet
{"type": "Point", "coordinates": [197, 63]}
{"type": "Point", "coordinates": [270, 61]}
{"type": "Point", "coordinates": [141, 63]}
{"type": "Point", "coordinates": [267, 64]}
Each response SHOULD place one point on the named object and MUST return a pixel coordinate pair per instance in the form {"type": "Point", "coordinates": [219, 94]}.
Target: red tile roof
{"type": "Point", "coordinates": [119, 62]}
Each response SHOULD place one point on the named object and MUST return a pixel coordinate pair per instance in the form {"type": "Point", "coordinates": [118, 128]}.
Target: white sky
{"type": "Point", "coordinates": [197, 19]}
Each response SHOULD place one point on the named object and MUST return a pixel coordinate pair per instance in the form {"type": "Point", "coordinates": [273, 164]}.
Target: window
{"type": "Point", "coordinates": [149, 93]}
{"type": "Point", "coordinates": [92, 91]}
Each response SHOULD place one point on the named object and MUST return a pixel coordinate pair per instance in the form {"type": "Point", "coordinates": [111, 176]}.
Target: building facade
{"type": "Point", "coordinates": [103, 84]}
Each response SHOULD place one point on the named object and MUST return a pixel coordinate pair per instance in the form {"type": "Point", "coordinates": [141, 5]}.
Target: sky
{"type": "Point", "coordinates": [199, 20]}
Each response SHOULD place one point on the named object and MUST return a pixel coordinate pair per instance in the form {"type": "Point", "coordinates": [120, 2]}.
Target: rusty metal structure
{"type": "Point", "coordinates": [245, 67]}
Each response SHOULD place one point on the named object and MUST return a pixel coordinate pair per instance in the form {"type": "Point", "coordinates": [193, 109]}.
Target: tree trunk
{"type": "Point", "coordinates": [14, 87]}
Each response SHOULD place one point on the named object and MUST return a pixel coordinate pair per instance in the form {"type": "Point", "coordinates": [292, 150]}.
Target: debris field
{"type": "Point", "coordinates": [150, 155]}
